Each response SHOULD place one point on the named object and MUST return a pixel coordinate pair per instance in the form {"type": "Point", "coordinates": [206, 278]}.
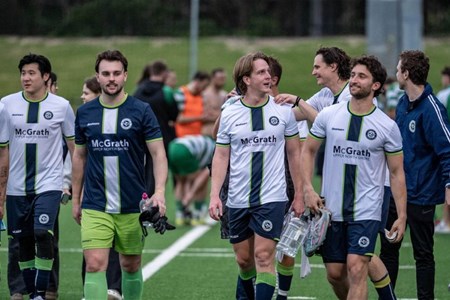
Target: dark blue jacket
{"type": "Point", "coordinates": [425, 130]}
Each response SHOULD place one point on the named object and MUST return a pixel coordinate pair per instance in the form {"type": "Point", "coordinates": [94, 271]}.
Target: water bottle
{"type": "Point", "coordinates": [293, 236]}
{"type": "Point", "coordinates": [144, 206]}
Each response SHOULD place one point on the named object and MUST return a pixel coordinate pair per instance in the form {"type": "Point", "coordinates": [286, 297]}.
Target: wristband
{"type": "Point", "coordinates": [297, 100]}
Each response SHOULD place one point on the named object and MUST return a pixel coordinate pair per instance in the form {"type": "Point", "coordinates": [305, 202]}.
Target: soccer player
{"type": "Point", "coordinates": [39, 120]}
{"type": "Point", "coordinates": [332, 69]}
{"type": "Point", "coordinates": [213, 98]}
{"type": "Point", "coordinates": [360, 140]}
{"type": "Point", "coordinates": [4, 156]}
{"type": "Point", "coordinates": [251, 138]}
{"type": "Point", "coordinates": [424, 127]}
{"type": "Point", "coordinates": [112, 133]}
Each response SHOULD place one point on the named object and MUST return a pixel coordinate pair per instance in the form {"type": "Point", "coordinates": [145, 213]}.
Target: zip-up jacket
{"type": "Point", "coordinates": [425, 130]}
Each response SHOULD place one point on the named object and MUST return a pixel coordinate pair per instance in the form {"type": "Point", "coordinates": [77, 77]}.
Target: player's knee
{"type": "Point", "coordinates": [336, 276]}
{"type": "Point", "coordinates": [25, 248]}
{"type": "Point", "coordinates": [264, 257]}
{"type": "Point", "coordinates": [245, 261]}
{"type": "Point", "coordinates": [44, 243]}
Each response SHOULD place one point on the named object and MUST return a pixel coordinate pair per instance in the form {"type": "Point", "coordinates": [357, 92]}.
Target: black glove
{"type": "Point", "coordinates": [151, 216]}
{"type": "Point", "coordinates": [162, 225]}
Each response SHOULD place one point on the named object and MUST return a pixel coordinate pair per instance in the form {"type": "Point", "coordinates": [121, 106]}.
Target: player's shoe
{"type": "Point", "coordinates": [317, 232]}
{"type": "Point", "coordinates": [114, 295]}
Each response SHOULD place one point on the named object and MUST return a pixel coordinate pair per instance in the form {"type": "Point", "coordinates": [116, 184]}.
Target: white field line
{"type": "Point", "coordinates": [171, 252]}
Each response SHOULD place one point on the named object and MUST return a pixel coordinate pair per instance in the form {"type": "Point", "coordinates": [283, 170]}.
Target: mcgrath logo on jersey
{"type": "Point", "coordinates": [274, 121]}
{"type": "Point", "coordinates": [126, 124]}
{"type": "Point", "coordinates": [29, 133]}
{"type": "Point", "coordinates": [267, 225]}
{"type": "Point", "coordinates": [412, 126]}
{"type": "Point", "coordinates": [48, 115]}
{"type": "Point", "coordinates": [109, 145]}
{"type": "Point", "coordinates": [43, 219]}
{"type": "Point", "coordinates": [371, 134]}
{"type": "Point", "coordinates": [350, 152]}
{"type": "Point", "coordinates": [256, 141]}
{"type": "Point", "coordinates": [363, 241]}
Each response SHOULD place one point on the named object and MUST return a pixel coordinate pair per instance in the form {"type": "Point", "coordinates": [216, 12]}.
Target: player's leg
{"type": "Point", "coordinates": [46, 207]}
{"type": "Point", "coordinates": [129, 242]}
{"type": "Point", "coordinates": [16, 284]}
{"type": "Point", "coordinates": [267, 223]}
{"type": "Point", "coordinates": [97, 234]}
{"type": "Point", "coordinates": [362, 236]}
{"type": "Point", "coordinates": [285, 272]}
{"type": "Point", "coordinates": [52, 290]}
{"type": "Point", "coordinates": [334, 256]}
{"type": "Point", "coordinates": [114, 272]}
{"type": "Point", "coordinates": [242, 239]}
{"type": "Point", "coordinates": [421, 226]}
{"type": "Point", "coordinates": [357, 269]}
{"type": "Point", "coordinates": [380, 278]}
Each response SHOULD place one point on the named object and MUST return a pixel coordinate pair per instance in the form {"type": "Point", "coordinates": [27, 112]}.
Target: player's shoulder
{"type": "Point", "coordinates": [57, 100]}
{"type": "Point", "coordinates": [135, 102]}
{"type": "Point", "coordinates": [11, 97]}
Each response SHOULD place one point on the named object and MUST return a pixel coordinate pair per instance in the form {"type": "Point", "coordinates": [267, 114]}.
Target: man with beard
{"type": "Point", "coordinates": [360, 140]}
{"type": "Point", "coordinates": [111, 135]}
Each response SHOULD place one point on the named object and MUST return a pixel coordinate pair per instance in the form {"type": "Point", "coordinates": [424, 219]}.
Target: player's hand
{"type": "Point", "coordinates": [398, 227]}
{"type": "Point", "coordinates": [232, 93]}
{"type": "Point", "coordinates": [2, 211]}
{"type": "Point", "coordinates": [215, 208]}
{"type": "Point", "coordinates": [285, 98]}
{"type": "Point", "coordinates": [76, 212]}
{"type": "Point", "coordinates": [158, 199]}
{"type": "Point", "coordinates": [313, 201]}
{"type": "Point", "coordinates": [447, 196]}
{"type": "Point", "coordinates": [298, 206]}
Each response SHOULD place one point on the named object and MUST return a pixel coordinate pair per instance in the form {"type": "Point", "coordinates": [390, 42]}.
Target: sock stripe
{"type": "Point", "coordinates": [267, 278]}
{"type": "Point", "coordinates": [386, 280]}
{"type": "Point", "coordinates": [246, 275]}
{"type": "Point", "coordinates": [285, 270]}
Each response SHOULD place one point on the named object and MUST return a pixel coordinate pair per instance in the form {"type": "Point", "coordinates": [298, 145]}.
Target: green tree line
{"type": "Point", "coordinates": [217, 17]}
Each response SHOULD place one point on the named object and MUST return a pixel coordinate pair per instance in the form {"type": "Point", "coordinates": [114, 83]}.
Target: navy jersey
{"type": "Point", "coordinates": [116, 139]}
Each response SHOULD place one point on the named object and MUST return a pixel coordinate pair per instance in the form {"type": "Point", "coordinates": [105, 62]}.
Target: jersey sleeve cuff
{"type": "Point", "coordinates": [316, 137]}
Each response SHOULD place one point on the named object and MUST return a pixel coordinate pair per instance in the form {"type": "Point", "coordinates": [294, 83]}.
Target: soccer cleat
{"type": "Point", "coordinates": [317, 232]}
{"type": "Point", "coordinates": [114, 295]}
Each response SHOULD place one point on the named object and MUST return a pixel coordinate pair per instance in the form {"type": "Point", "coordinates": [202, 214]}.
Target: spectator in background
{"type": "Point", "coordinates": [213, 98]}
{"type": "Point", "coordinates": [189, 100]}
{"type": "Point", "coordinates": [424, 127]}
{"type": "Point", "coordinates": [444, 96]}
{"type": "Point", "coordinates": [151, 92]}
{"type": "Point", "coordinates": [52, 83]}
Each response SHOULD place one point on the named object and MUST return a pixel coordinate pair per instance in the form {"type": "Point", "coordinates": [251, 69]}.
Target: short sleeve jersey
{"type": "Point", "coordinates": [35, 147]}
{"type": "Point", "coordinates": [355, 160]}
{"type": "Point", "coordinates": [4, 126]}
{"type": "Point", "coordinates": [256, 135]}
{"type": "Point", "coordinates": [116, 139]}
{"type": "Point", "coordinates": [200, 146]}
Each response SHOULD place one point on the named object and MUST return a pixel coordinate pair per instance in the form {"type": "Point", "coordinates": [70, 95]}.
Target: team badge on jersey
{"type": "Point", "coordinates": [371, 134]}
{"type": "Point", "coordinates": [274, 121]}
{"type": "Point", "coordinates": [412, 126]}
{"type": "Point", "coordinates": [43, 219]}
{"type": "Point", "coordinates": [48, 115]}
{"type": "Point", "coordinates": [363, 241]}
{"type": "Point", "coordinates": [126, 124]}
{"type": "Point", "coordinates": [267, 225]}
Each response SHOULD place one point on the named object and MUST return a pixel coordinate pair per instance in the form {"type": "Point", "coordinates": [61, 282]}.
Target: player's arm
{"type": "Point", "coordinates": [78, 166]}
{"type": "Point", "coordinates": [310, 148]}
{"type": "Point", "coordinates": [197, 181]}
{"type": "Point", "coordinates": [293, 151]}
{"type": "Point", "coordinates": [156, 149]}
{"type": "Point", "coordinates": [4, 171]}
{"type": "Point", "coordinates": [302, 110]}
{"type": "Point", "coordinates": [398, 188]}
{"type": "Point", "coordinates": [219, 168]}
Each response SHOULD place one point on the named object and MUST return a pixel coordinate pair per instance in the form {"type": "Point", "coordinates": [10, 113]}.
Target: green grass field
{"type": "Point", "coordinates": [206, 268]}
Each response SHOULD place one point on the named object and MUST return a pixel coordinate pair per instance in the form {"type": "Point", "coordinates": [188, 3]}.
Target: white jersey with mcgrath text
{"type": "Point", "coordinates": [355, 160]}
{"type": "Point", "coordinates": [256, 136]}
{"type": "Point", "coordinates": [35, 142]}
{"type": "Point", "coordinates": [4, 126]}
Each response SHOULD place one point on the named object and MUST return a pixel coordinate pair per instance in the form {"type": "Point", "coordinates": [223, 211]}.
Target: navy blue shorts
{"type": "Point", "coordinates": [265, 220]}
{"type": "Point", "coordinates": [28, 213]}
{"type": "Point", "coordinates": [343, 238]}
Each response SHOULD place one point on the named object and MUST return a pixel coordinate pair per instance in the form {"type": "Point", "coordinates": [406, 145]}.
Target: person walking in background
{"type": "Point", "coordinates": [112, 133]}
{"type": "Point", "coordinates": [424, 126]}
{"type": "Point", "coordinates": [213, 98]}
{"type": "Point", "coordinates": [444, 96]}
{"type": "Point", "coordinates": [39, 120]}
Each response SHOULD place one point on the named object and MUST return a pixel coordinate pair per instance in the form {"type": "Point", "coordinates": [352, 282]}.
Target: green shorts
{"type": "Point", "coordinates": [181, 161]}
{"type": "Point", "coordinates": [100, 229]}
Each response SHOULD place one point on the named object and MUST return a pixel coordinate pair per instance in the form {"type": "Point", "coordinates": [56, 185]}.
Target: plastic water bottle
{"type": "Point", "coordinates": [144, 206]}
{"type": "Point", "coordinates": [293, 236]}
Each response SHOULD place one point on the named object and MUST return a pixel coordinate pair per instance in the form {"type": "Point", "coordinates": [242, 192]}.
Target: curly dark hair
{"type": "Point", "coordinates": [375, 68]}
{"type": "Point", "coordinates": [335, 55]}
{"type": "Point", "coordinates": [111, 55]}
{"type": "Point", "coordinates": [417, 64]}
